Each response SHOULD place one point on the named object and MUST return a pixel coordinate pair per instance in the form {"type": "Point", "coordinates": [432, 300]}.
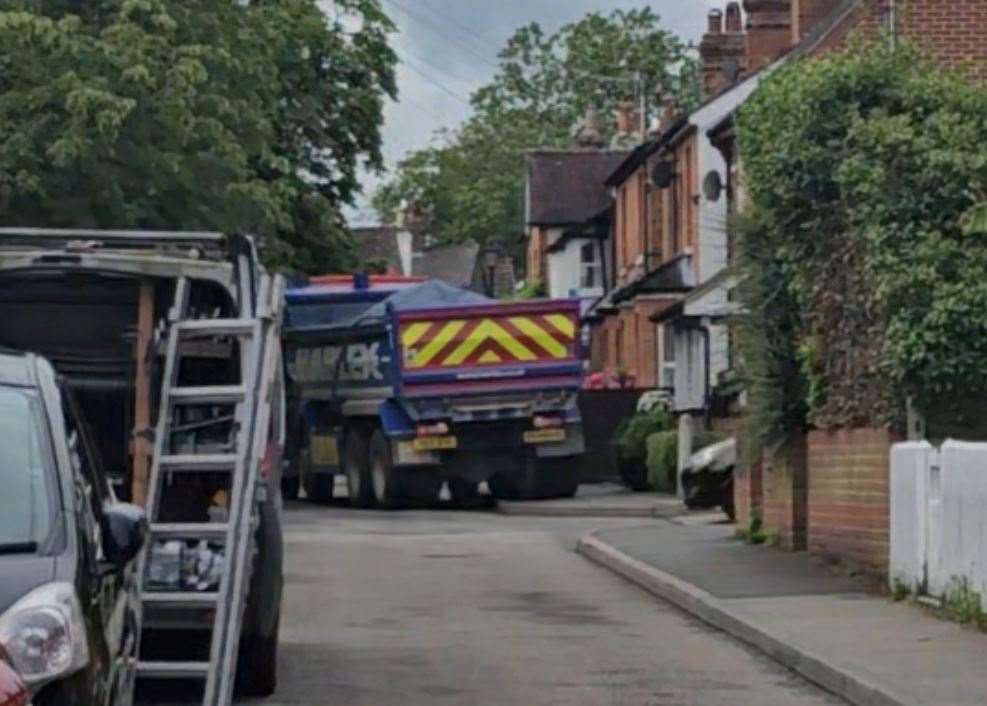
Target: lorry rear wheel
{"type": "Point", "coordinates": [553, 477]}
{"type": "Point", "coordinates": [464, 493]}
{"type": "Point", "coordinates": [540, 479]}
{"type": "Point", "coordinates": [383, 475]}
{"type": "Point", "coordinates": [319, 488]}
{"type": "Point", "coordinates": [290, 487]}
{"type": "Point", "coordinates": [421, 485]}
{"type": "Point", "coordinates": [356, 465]}
{"type": "Point", "coordinates": [507, 486]}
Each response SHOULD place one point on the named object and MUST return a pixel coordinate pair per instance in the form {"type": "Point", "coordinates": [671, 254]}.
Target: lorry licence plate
{"type": "Point", "coordinates": [544, 436]}
{"type": "Point", "coordinates": [434, 443]}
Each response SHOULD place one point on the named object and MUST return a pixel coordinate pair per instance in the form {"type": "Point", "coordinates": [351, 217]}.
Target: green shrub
{"type": "Point", "coordinates": [867, 184]}
{"type": "Point", "coordinates": [633, 436]}
{"type": "Point", "coordinates": [531, 290]}
{"type": "Point", "coordinates": [962, 604]}
{"type": "Point", "coordinates": [755, 531]}
{"type": "Point", "coordinates": [663, 454]}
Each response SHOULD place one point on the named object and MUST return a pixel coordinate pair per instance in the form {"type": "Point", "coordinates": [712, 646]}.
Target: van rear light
{"type": "Point", "coordinates": [543, 422]}
{"type": "Point", "coordinates": [437, 429]}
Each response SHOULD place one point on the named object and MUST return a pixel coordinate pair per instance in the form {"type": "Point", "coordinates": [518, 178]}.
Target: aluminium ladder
{"type": "Point", "coordinates": [259, 348]}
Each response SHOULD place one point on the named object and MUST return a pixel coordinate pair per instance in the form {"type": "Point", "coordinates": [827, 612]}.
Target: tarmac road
{"type": "Point", "coordinates": [455, 608]}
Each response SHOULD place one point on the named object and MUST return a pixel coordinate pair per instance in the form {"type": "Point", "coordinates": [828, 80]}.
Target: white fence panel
{"type": "Point", "coordinates": [910, 465]}
{"type": "Point", "coordinates": [964, 511]}
{"type": "Point", "coordinates": [939, 517]}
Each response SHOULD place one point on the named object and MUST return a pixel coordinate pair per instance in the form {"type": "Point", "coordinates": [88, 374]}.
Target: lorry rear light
{"type": "Point", "coordinates": [437, 429]}
{"type": "Point", "coordinates": [542, 422]}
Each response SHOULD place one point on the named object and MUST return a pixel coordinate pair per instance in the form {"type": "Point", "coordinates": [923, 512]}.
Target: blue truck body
{"type": "Point", "coordinates": [354, 370]}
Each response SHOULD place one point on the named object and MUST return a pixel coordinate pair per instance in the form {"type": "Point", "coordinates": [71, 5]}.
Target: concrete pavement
{"type": "Point", "coordinates": [830, 629]}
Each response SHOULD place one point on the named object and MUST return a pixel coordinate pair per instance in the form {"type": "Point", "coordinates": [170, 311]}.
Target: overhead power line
{"type": "Point", "coordinates": [438, 84]}
{"type": "Point", "coordinates": [460, 26]}
{"type": "Point", "coordinates": [425, 21]}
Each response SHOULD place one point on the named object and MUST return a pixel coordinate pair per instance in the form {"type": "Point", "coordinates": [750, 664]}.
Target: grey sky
{"type": "Point", "coordinates": [448, 48]}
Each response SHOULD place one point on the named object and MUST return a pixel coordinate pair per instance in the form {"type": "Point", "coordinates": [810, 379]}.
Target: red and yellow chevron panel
{"type": "Point", "coordinates": [488, 340]}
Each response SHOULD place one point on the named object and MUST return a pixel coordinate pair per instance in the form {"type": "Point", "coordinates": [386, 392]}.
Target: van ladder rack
{"type": "Point", "coordinates": [258, 339]}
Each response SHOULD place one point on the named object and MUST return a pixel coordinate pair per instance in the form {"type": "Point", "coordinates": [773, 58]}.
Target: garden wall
{"type": "Point", "coordinates": [849, 499]}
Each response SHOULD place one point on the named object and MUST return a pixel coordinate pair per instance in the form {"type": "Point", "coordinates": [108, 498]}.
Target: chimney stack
{"type": "Point", "coordinates": [628, 117]}
{"type": "Point", "coordinates": [629, 134]}
{"type": "Point", "coordinates": [722, 52]}
{"type": "Point", "coordinates": [588, 134]}
{"type": "Point", "coordinates": [735, 23]}
{"type": "Point", "coordinates": [806, 14]}
{"type": "Point", "coordinates": [669, 111]}
{"type": "Point", "coordinates": [769, 31]}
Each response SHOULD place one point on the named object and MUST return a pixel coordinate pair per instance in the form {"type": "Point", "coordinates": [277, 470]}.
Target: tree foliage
{"type": "Point", "coordinates": [865, 171]}
{"type": "Point", "coordinates": [251, 116]}
{"type": "Point", "coordinates": [471, 182]}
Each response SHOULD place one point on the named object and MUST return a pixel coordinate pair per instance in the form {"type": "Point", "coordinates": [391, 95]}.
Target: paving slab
{"type": "Point", "coordinates": [598, 500]}
{"type": "Point", "coordinates": [831, 629]}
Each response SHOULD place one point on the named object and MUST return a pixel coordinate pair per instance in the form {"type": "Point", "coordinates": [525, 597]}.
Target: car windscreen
{"type": "Point", "coordinates": [25, 504]}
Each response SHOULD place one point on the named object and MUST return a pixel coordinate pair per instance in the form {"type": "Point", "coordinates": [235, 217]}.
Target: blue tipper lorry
{"type": "Point", "coordinates": [403, 386]}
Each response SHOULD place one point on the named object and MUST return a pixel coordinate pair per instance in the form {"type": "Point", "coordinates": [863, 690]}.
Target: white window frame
{"type": "Point", "coordinates": [591, 268]}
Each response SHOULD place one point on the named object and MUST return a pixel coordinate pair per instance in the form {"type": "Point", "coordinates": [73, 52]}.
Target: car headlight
{"type": "Point", "coordinates": [44, 634]}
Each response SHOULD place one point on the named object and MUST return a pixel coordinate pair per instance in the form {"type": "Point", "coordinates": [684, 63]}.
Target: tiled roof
{"type": "Point", "coordinates": [452, 264]}
{"type": "Point", "coordinates": [566, 187]}
{"type": "Point", "coordinates": [378, 243]}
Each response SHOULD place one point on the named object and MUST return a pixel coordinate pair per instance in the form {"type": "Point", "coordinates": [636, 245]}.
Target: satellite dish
{"type": "Point", "coordinates": [713, 186]}
{"type": "Point", "coordinates": [663, 174]}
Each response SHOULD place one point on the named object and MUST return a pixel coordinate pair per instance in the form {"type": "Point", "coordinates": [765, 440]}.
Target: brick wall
{"type": "Point", "coordinates": [680, 215]}
{"type": "Point", "coordinates": [629, 226]}
{"type": "Point", "coordinates": [628, 342]}
{"type": "Point", "coordinates": [849, 496]}
{"type": "Point", "coordinates": [952, 31]}
{"type": "Point", "coordinates": [747, 493]}
{"type": "Point", "coordinates": [784, 492]}
{"type": "Point", "coordinates": [769, 31]}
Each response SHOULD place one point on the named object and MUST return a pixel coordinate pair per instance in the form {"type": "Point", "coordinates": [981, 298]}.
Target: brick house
{"type": "Point", "coordinates": [669, 230]}
{"type": "Point", "coordinates": [567, 212]}
{"type": "Point", "coordinates": [828, 492]}
{"type": "Point", "coordinates": [644, 278]}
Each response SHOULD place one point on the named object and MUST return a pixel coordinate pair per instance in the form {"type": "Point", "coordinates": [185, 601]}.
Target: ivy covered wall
{"type": "Point", "coordinates": [865, 244]}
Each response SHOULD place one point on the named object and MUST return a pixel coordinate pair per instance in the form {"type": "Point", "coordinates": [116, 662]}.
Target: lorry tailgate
{"type": "Point", "coordinates": [489, 348]}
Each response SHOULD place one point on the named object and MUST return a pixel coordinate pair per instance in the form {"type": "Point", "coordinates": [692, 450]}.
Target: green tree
{"type": "Point", "coordinates": [471, 182]}
{"type": "Point", "coordinates": [208, 115]}
{"type": "Point", "coordinates": [865, 171]}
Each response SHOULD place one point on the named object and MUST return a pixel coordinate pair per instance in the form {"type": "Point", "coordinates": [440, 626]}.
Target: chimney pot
{"type": "Point", "coordinates": [715, 22]}
{"type": "Point", "coordinates": [734, 22]}
{"type": "Point", "coordinates": [628, 118]}
{"type": "Point", "coordinates": [588, 133]}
